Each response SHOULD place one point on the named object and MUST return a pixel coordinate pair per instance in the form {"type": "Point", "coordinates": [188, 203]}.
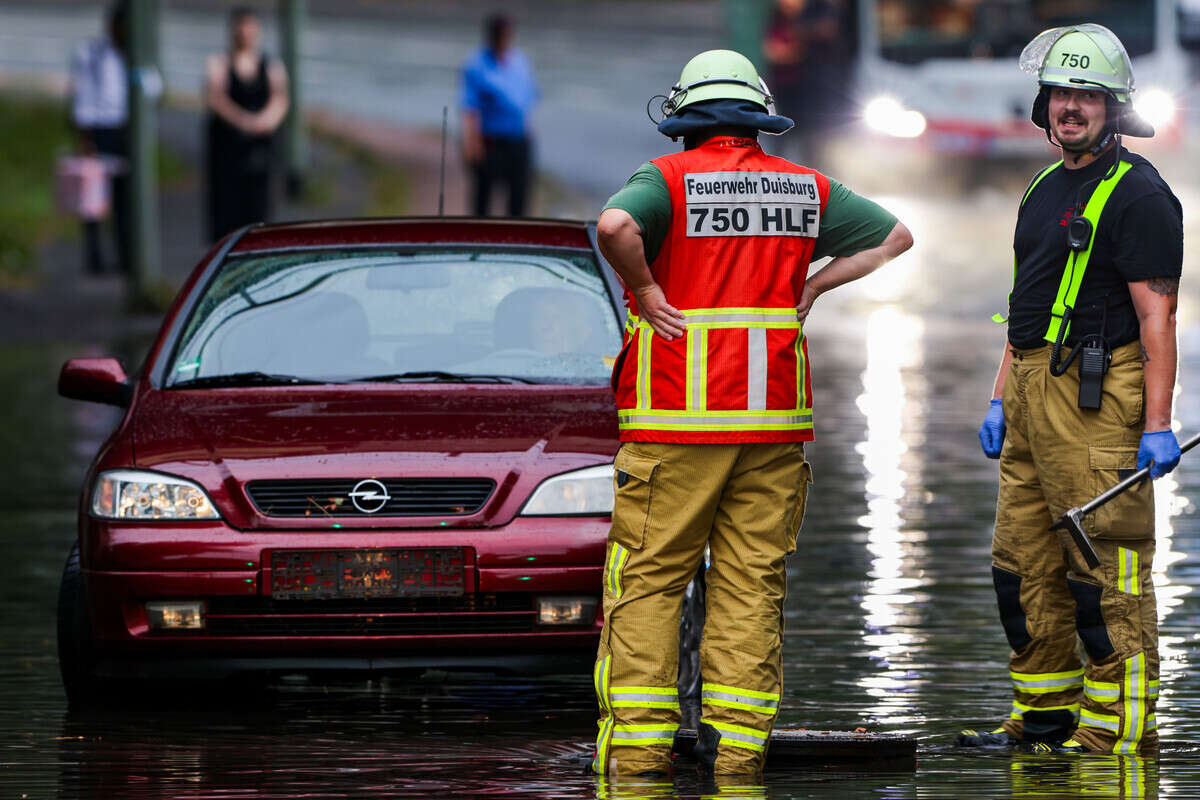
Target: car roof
{"type": "Point", "coordinates": [415, 230]}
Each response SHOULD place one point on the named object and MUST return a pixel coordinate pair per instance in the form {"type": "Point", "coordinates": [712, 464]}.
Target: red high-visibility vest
{"type": "Point", "coordinates": [743, 228]}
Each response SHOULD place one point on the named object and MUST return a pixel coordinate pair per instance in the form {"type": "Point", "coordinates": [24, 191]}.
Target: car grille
{"type": "Point", "coordinates": [407, 497]}
{"type": "Point", "coordinates": [419, 616]}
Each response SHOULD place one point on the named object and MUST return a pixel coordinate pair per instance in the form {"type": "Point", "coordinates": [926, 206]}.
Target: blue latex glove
{"type": "Point", "coordinates": [991, 432]}
{"type": "Point", "coordinates": [1159, 450]}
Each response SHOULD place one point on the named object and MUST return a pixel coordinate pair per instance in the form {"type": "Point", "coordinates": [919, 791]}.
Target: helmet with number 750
{"type": "Point", "coordinates": [1085, 56]}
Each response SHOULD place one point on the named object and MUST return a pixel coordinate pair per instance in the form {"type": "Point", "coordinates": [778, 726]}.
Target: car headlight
{"type": "Point", "coordinates": [887, 115]}
{"type": "Point", "coordinates": [134, 494]}
{"type": "Point", "coordinates": [1156, 106]}
{"type": "Point", "coordinates": [584, 491]}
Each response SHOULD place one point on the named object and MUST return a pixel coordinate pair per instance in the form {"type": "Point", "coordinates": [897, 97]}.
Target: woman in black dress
{"type": "Point", "coordinates": [247, 98]}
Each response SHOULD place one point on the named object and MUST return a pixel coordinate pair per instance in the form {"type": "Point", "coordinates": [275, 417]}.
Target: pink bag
{"type": "Point", "coordinates": [81, 187]}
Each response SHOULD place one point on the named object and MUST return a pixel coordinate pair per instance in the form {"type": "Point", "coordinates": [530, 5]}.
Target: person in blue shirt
{"type": "Point", "coordinates": [498, 94]}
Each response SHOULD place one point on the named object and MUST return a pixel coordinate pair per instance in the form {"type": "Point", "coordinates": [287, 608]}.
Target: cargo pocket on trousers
{"type": "Point", "coordinates": [633, 479]}
{"type": "Point", "coordinates": [1130, 515]}
{"type": "Point", "coordinates": [797, 519]}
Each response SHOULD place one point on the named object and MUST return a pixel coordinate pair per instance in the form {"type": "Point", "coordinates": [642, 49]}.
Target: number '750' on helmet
{"type": "Point", "coordinates": [1085, 56]}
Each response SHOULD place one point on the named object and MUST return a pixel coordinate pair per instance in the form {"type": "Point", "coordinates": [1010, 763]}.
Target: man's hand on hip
{"type": "Point", "coordinates": [664, 318]}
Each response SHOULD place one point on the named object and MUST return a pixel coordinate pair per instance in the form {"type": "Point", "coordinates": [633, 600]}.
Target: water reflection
{"type": "Point", "coordinates": [1093, 775]}
{"type": "Point", "coordinates": [892, 404]}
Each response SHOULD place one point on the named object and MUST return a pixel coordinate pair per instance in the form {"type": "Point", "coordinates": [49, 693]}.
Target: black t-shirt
{"type": "Point", "coordinates": [1140, 236]}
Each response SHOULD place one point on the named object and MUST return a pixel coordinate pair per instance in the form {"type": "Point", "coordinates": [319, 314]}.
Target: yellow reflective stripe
{"type": "Point", "coordinates": [1077, 262]}
{"type": "Point", "coordinates": [720, 687]}
{"type": "Point", "coordinates": [710, 420]}
{"type": "Point", "coordinates": [776, 311]}
{"type": "Point", "coordinates": [1151, 722]}
{"type": "Point", "coordinates": [1094, 719]}
{"type": "Point", "coordinates": [617, 557]}
{"type": "Point", "coordinates": [1127, 571]}
{"type": "Point", "coordinates": [644, 697]}
{"type": "Point", "coordinates": [1046, 682]}
{"type": "Point", "coordinates": [1135, 705]}
{"type": "Point", "coordinates": [802, 402]}
{"type": "Point", "coordinates": [600, 681]}
{"type": "Point", "coordinates": [1101, 691]}
{"type": "Point", "coordinates": [645, 337]}
{"type": "Point", "coordinates": [740, 736]}
{"type": "Point", "coordinates": [631, 323]}
{"type": "Point", "coordinates": [1019, 709]}
{"type": "Point", "coordinates": [603, 740]}
{"type": "Point", "coordinates": [636, 735]}
{"type": "Point", "coordinates": [1154, 689]}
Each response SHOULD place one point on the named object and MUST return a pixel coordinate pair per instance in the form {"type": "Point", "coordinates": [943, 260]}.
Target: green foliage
{"type": "Point", "coordinates": [32, 133]}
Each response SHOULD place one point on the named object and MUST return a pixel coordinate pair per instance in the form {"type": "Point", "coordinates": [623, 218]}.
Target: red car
{"type": "Point", "coordinates": [367, 444]}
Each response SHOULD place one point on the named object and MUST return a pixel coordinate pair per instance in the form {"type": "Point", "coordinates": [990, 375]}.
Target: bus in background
{"type": "Point", "coordinates": [943, 73]}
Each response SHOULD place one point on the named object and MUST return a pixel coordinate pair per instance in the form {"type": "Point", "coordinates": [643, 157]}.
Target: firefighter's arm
{"type": "Point", "coordinates": [620, 240]}
{"type": "Point", "coordinates": [1155, 301]}
{"type": "Point", "coordinates": [850, 268]}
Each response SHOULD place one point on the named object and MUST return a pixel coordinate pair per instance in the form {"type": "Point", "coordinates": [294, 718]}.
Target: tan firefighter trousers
{"type": "Point", "coordinates": [746, 502]}
{"type": "Point", "coordinates": [1057, 456]}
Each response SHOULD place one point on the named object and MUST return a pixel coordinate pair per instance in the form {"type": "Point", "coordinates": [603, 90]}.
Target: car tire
{"type": "Point", "coordinates": [76, 645]}
{"type": "Point", "coordinates": [691, 629]}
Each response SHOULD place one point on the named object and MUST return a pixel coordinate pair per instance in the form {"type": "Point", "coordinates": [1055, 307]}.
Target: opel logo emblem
{"type": "Point", "coordinates": [369, 496]}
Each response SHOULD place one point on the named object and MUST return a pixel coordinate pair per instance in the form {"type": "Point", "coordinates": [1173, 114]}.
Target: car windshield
{"type": "Point", "coordinates": [912, 31]}
{"type": "Point", "coordinates": [463, 313]}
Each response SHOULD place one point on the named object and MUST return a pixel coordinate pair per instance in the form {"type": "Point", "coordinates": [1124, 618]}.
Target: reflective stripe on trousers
{"type": "Point", "coordinates": [713, 694]}
{"type": "Point", "coordinates": [1047, 682]}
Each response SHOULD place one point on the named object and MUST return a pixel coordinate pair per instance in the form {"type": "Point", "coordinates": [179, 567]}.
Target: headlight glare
{"type": "Point", "coordinates": [887, 115]}
{"type": "Point", "coordinates": [133, 494]}
{"type": "Point", "coordinates": [1156, 106]}
{"type": "Point", "coordinates": [584, 491]}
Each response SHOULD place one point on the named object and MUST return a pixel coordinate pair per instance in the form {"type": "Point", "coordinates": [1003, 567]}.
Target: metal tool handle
{"type": "Point", "coordinates": [1135, 478]}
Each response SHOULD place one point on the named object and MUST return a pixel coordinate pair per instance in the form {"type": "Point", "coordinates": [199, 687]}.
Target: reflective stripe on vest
{"type": "Point", "coordinates": [696, 416]}
{"type": "Point", "coordinates": [1072, 279]}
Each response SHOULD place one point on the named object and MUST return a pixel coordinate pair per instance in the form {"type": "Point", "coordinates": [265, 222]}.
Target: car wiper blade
{"type": "Point", "coordinates": [254, 378]}
{"type": "Point", "coordinates": [438, 376]}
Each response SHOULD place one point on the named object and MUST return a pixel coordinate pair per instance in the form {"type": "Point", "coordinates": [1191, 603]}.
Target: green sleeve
{"type": "Point", "coordinates": [851, 224]}
{"type": "Point", "coordinates": [646, 198]}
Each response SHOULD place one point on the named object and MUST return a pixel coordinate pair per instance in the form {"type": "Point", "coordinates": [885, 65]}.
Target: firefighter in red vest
{"type": "Point", "coordinates": [714, 394]}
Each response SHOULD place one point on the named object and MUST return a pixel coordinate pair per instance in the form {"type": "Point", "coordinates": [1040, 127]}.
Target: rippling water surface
{"type": "Point", "coordinates": [891, 620]}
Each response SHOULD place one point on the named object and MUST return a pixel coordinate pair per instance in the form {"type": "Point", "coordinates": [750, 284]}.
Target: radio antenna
{"type": "Point", "coordinates": [442, 178]}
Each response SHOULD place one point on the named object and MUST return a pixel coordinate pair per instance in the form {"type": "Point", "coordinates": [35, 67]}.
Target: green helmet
{"type": "Point", "coordinates": [1080, 57]}
{"type": "Point", "coordinates": [718, 75]}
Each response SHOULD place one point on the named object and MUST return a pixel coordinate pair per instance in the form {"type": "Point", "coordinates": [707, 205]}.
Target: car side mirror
{"type": "Point", "coordinates": [97, 380]}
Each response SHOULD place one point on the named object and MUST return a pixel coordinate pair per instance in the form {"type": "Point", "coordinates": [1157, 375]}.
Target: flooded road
{"type": "Point", "coordinates": [891, 620]}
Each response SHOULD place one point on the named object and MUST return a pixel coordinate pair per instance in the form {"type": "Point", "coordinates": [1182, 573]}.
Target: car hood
{"type": "Point", "coordinates": [514, 435]}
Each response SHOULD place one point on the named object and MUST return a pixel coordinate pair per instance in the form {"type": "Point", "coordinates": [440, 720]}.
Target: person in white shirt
{"type": "Point", "coordinates": [100, 116]}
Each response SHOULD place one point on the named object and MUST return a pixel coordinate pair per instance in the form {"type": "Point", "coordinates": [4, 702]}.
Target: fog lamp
{"type": "Point", "coordinates": [187, 615]}
{"type": "Point", "coordinates": [566, 610]}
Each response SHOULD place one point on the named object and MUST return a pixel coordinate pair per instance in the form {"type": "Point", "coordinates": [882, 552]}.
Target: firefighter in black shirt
{"type": "Point", "coordinates": [1098, 254]}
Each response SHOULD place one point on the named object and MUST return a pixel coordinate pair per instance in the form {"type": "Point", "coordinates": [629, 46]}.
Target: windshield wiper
{"type": "Point", "coordinates": [437, 376]}
{"type": "Point", "coordinates": [254, 378]}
